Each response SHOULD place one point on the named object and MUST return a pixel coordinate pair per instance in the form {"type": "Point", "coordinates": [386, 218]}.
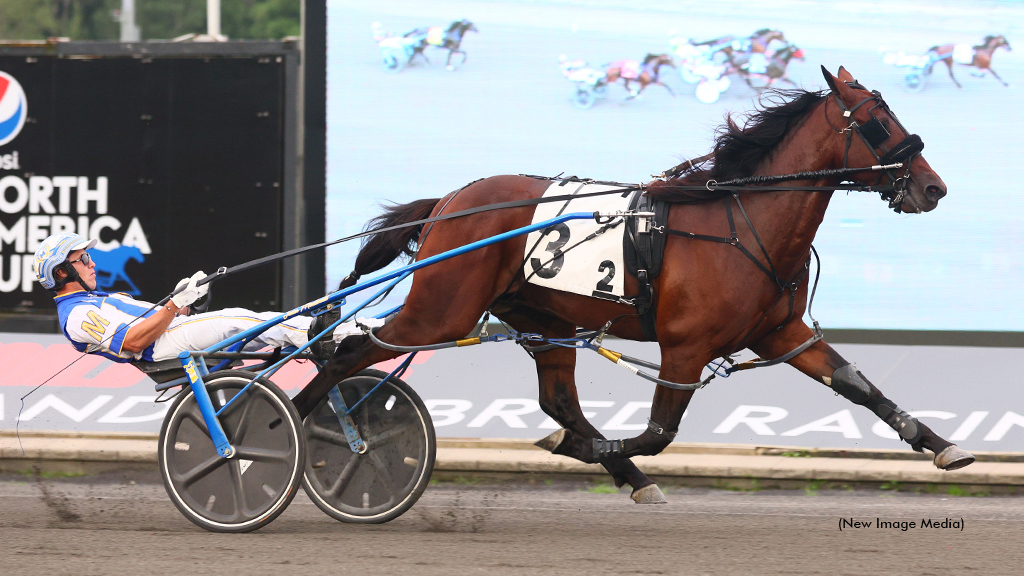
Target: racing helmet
{"type": "Point", "coordinates": [52, 255]}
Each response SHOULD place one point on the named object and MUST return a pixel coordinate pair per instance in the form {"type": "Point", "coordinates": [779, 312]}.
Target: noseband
{"type": "Point", "coordinates": [873, 133]}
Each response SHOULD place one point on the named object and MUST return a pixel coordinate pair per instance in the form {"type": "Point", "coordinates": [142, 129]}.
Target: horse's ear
{"type": "Point", "coordinates": [845, 76]}
{"type": "Point", "coordinates": [829, 79]}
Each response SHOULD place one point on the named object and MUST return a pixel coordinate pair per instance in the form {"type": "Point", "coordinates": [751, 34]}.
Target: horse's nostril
{"type": "Point", "coordinates": [934, 192]}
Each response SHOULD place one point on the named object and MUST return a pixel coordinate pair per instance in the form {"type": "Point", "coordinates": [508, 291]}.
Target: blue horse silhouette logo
{"type": "Point", "coordinates": [110, 266]}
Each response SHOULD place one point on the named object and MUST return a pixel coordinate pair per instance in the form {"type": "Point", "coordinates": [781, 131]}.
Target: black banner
{"type": "Point", "coordinates": [174, 164]}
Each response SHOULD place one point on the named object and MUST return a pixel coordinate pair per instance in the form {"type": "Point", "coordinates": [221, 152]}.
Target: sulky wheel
{"type": "Point", "coordinates": [385, 480]}
{"type": "Point", "coordinates": [391, 63]}
{"type": "Point", "coordinates": [583, 98]}
{"type": "Point", "coordinates": [248, 490]}
{"type": "Point", "coordinates": [914, 81]}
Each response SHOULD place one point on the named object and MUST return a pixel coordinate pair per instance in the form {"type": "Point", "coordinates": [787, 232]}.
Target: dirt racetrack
{"type": "Point", "coordinates": [108, 526]}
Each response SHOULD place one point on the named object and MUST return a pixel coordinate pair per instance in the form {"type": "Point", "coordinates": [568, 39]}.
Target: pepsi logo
{"type": "Point", "coordinates": [13, 108]}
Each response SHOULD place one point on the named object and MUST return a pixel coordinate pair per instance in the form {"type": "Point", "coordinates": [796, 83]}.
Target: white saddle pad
{"type": "Point", "coordinates": [963, 53]}
{"type": "Point", "coordinates": [555, 256]}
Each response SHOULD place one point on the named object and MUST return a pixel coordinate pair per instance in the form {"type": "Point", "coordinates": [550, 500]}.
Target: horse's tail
{"type": "Point", "coordinates": [384, 248]}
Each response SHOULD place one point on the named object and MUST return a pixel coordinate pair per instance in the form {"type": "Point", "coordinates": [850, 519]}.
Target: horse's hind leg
{"type": "Point", "coordinates": [424, 320]}
{"type": "Point", "coordinates": [825, 365]}
{"type": "Point", "coordinates": [949, 65]}
{"type": "Point", "coordinates": [556, 370]}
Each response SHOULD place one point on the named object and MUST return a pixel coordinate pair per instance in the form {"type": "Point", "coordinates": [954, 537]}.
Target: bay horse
{"type": "Point", "coordinates": [645, 73]}
{"type": "Point", "coordinates": [711, 300]}
{"type": "Point", "coordinates": [982, 58]}
{"type": "Point", "coordinates": [450, 41]}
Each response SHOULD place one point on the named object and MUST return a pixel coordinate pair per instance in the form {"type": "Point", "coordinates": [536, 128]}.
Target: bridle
{"type": "Point", "coordinates": [873, 133]}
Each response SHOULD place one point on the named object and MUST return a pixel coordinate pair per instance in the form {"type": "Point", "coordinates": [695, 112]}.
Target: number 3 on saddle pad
{"type": "Point", "coordinates": [561, 258]}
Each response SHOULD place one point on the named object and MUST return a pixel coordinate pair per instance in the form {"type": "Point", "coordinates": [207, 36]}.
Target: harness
{"type": "Point", "coordinates": [873, 133]}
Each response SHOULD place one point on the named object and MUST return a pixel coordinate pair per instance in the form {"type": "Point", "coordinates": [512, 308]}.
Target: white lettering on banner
{"type": "Point", "coordinates": [40, 188]}
{"type": "Point", "coordinates": [9, 161]}
{"type": "Point", "coordinates": [36, 197]}
{"type": "Point", "coordinates": [28, 278]}
{"type": "Point", "coordinates": [501, 409]}
{"type": "Point", "coordinates": [136, 237]}
{"type": "Point", "coordinates": [759, 424]}
{"type": "Point", "coordinates": [117, 414]}
{"type": "Point", "coordinates": [550, 424]}
{"type": "Point", "coordinates": [841, 422]}
{"type": "Point", "coordinates": [38, 230]}
{"type": "Point", "coordinates": [14, 235]}
{"type": "Point", "coordinates": [13, 266]}
{"type": "Point", "coordinates": [76, 414]}
{"type": "Point", "coordinates": [447, 416]}
{"type": "Point", "coordinates": [885, 431]}
{"type": "Point", "coordinates": [618, 422]}
{"type": "Point", "coordinates": [20, 191]}
{"type": "Point", "coordinates": [970, 424]}
{"type": "Point", "coordinates": [96, 230]}
{"type": "Point", "coordinates": [99, 195]}
{"type": "Point", "coordinates": [64, 184]}
{"type": "Point", "coordinates": [1009, 420]}
{"type": "Point", "coordinates": [62, 224]}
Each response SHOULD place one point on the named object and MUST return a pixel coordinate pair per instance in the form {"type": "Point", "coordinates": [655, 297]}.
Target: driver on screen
{"type": "Point", "coordinates": [110, 325]}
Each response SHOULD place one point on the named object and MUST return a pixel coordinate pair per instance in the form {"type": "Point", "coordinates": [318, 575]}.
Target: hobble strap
{"type": "Point", "coordinates": [660, 430]}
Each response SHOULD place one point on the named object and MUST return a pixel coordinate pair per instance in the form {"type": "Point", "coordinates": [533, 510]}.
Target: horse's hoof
{"type": "Point", "coordinates": [551, 441]}
{"type": "Point", "coordinates": [649, 495]}
{"type": "Point", "coordinates": [953, 458]}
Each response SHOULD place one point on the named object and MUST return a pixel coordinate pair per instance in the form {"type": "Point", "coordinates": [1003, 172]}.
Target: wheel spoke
{"type": "Point", "coordinates": [200, 471]}
{"type": "Point", "coordinates": [326, 435]}
{"type": "Point", "coordinates": [197, 418]}
{"type": "Point", "coordinates": [363, 426]}
{"type": "Point", "coordinates": [243, 420]}
{"type": "Point", "coordinates": [346, 475]}
{"type": "Point", "coordinates": [263, 454]}
{"type": "Point", "coordinates": [382, 473]}
{"type": "Point", "coordinates": [237, 489]}
{"type": "Point", "coordinates": [388, 436]}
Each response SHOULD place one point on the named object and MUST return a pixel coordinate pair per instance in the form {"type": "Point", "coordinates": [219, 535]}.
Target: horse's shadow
{"type": "Point", "coordinates": [110, 267]}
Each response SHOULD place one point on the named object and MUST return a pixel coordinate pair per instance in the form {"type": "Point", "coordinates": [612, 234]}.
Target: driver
{"type": "Point", "coordinates": [123, 329]}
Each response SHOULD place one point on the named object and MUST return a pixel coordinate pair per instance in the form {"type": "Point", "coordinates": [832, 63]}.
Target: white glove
{"type": "Point", "coordinates": [189, 291]}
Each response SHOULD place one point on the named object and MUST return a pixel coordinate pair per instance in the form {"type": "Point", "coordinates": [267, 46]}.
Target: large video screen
{"type": "Point", "coordinates": [523, 97]}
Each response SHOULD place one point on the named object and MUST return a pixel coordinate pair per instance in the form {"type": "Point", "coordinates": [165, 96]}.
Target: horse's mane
{"type": "Point", "coordinates": [650, 57]}
{"type": "Point", "coordinates": [739, 150]}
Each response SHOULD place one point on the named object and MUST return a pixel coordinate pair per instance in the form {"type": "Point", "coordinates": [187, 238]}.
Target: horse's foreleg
{"type": "Point", "coordinates": [556, 370]}
{"type": "Point", "coordinates": [451, 53]}
{"type": "Point", "coordinates": [666, 86]}
{"type": "Point", "coordinates": [997, 77]}
{"type": "Point", "coordinates": [825, 365]}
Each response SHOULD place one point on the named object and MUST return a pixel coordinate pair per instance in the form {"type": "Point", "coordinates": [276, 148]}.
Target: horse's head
{"type": "Point", "coordinates": [871, 135]}
{"type": "Point", "coordinates": [134, 253]}
{"type": "Point", "coordinates": [659, 60]}
{"type": "Point", "coordinates": [790, 52]}
{"type": "Point", "coordinates": [462, 26]}
{"type": "Point", "coordinates": [1000, 41]}
{"type": "Point", "coordinates": [766, 35]}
